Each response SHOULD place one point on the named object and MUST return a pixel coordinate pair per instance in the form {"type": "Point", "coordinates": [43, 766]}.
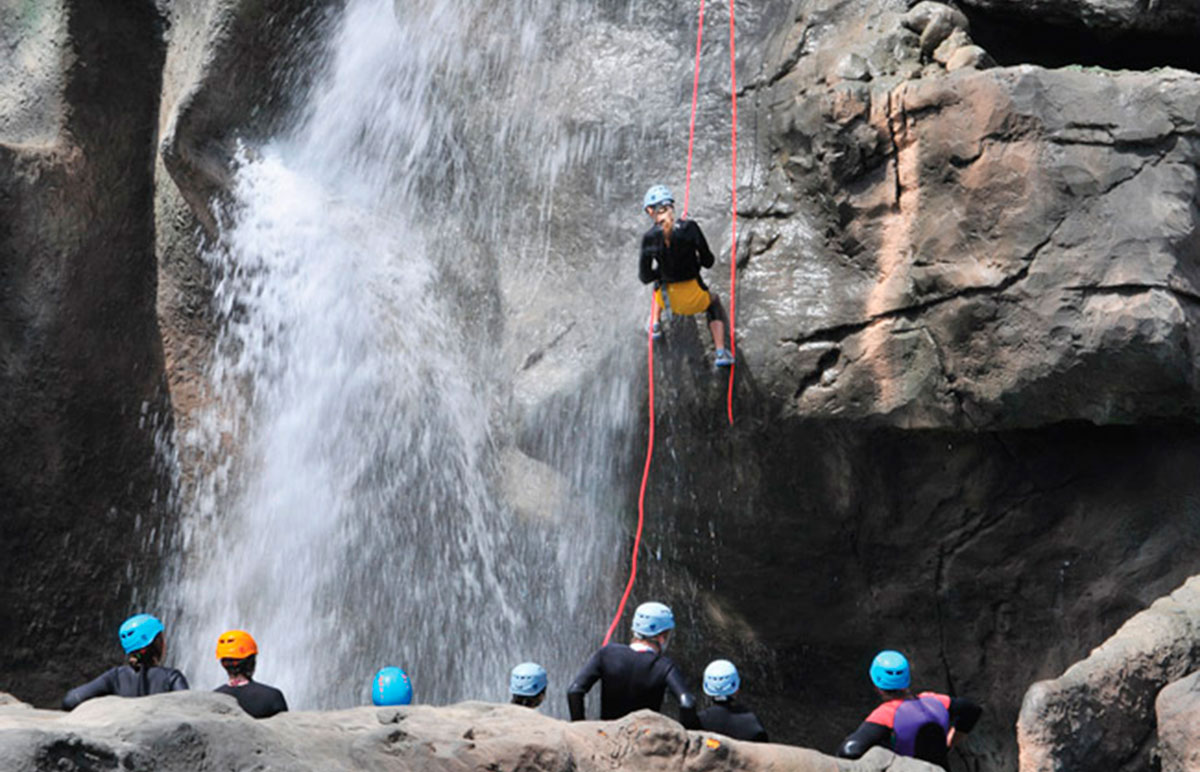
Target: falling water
{"type": "Point", "coordinates": [411, 455]}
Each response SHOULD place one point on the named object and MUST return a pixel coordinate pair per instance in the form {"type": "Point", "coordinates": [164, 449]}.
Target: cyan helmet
{"type": "Point", "coordinates": [391, 687]}
{"type": "Point", "coordinates": [721, 679]}
{"type": "Point", "coordinates": [659, 194]}
{"type": "Point", "coordinates": [652, 618]}
{"type": "Point", "coordinates": [889, 671]}
{"type": "Point", "coordinates": [528, 679]}
{"type": "Point", "coordinates": [139, 631]}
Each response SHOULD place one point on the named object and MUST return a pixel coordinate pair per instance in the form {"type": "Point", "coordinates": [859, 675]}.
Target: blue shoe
{"type": "Point", "coordinates": [724, 358]}
{"type": "Point", "coordinates": [656, 331]}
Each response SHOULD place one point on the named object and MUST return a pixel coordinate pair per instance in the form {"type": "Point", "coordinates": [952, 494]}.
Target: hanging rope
{"type": "Point", "coordinates": [637, 539]}
{"type": "Point", "coordinates": [733, 210]}
{"type": "Point", "coordinates": [687, 180]}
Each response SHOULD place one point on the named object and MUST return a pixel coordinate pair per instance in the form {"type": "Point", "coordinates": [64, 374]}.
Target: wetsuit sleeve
{"type": "Point", "coordinates": [964, 713]}
{"type": "Point", "coordinates": [703, 253]}
{"type": "Point", "coordinates": [583, 682]}
{"type": "Point", "coordinates": [100, 686]}
{"type": "Point", "coordinates": [177, 682]}
{"type": "Point", "coordinates": [687, 702]}
{"type": "Point", "coordinates": [867, 736]}
{"type": "Point", "coordinates": [646, 270]}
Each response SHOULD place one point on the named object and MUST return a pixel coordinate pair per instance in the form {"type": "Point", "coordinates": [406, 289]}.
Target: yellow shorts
{"type": "Point", "coordinates": [687, 297]}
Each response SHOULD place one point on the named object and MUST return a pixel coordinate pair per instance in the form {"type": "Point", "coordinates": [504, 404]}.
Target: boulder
{"type": "Point", "coordinates": [934, 22]}
{"type": "Point", "coordinates": [205, 731]}
{"type": "Point", "coordinates": [1177, 710]}
{"type": "Point", "coordinates": [1099, 714]}
{"type": "Point", "coordinates": [968, 56]}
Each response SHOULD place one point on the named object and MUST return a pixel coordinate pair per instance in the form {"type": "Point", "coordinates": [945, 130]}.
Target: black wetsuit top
{"type": "Point", "coordinates": [124, 681]}
{"type": "Point", "coordinates": [259, 700]}
{"type": "Point", "coordinates": [733, 720]}
{"type": "Point", "coordinates": [964, 714]}
{"type": "Point", "coordinates": [680, 261]}
{"type": "Point", "coordinates": [631, 680]}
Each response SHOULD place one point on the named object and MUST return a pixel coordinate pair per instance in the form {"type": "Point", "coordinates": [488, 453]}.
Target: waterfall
{"type": "Point", "coordinates": [420, 440]}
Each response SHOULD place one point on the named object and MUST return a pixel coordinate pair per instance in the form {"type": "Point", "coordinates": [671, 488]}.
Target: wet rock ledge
{"type": "Point", "coordinates": [205, 731]}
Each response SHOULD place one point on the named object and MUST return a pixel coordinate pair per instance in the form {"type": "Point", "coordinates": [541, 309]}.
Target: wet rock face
{"type": "Point", "coordinates": [81, 374]}
{"type": "Point", "coordinates": [194, 730]}
{"type": "Point", "coordinates": [1177, 709]}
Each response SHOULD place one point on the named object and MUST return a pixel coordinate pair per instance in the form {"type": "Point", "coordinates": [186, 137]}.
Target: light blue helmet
{"type": "Point", "coordinates": [889, 671]}
{"type": "Point", "coordinates": [139, 631]}
{"type": "Point", "coordinates": [391, 687]}
{"type": "Point", "coordinates": [652, 618]}
{"type": "Point", "coordinates": [528, 679]}
{"type": "Point", "coordinates": [721, 679]}
{"type": "Point", "coordinates": [659, 194]}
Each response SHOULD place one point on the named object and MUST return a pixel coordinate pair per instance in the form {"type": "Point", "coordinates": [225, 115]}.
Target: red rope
{"type": "Point", "coordinates": [637, 539]}
{"type": "Point", "coordinates": [733, 222]}
{"type": "Point", "coordinates": [687, 184]}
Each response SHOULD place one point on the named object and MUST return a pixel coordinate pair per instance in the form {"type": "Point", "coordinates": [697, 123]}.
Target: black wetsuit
{"type": "Point", "coordinates": [259, 700]}
{"type": "Point", "coordinates": [631, 680]}
{"type": "Point", "coordinates": [964, 714]}
{"type": "Point", "coordinates": [124, 681]}
{"type": "Point", "coordinates": [682, 260]}
{"type": "Point", "coordinates": [733, 720]}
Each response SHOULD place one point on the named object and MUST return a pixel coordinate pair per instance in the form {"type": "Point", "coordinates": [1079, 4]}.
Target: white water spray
{"type": "Point", "coordinates": [350, 487]}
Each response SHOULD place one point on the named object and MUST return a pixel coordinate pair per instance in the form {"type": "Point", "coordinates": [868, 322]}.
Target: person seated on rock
{"type": "Point", "coordinates": [922, 726]}
{"type": "Point", "coordinates": [391, 687]}
{"type": "Point", "coordinates": [142, 639]}
{"type": "Point", "coordinates": [727, 716]}
{"type": "Point", "coordinates": [636, 676]}
{"type": "Point", "coordinates": [238, 654]}
{"type": "Point", "coordinates": [527, 683]}
{"type": "Point", "coordinates": [673, 252]}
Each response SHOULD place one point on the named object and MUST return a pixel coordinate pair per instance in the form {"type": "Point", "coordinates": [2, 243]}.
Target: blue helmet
{"type": "Point", "coordinates": [139, 631]}
{"type": "Point", "coordinates": [652, 618]}
{"type": "Point", "coordinates": [889, 671]}
{"type": "Point", "coordinates": [391, 687]}
{"type": "Point", "coordinates": [528, 679]}
{"type": "Point", "coordinates": [721, 679]}
{"type": "Point", "coordinates": [659, 194]}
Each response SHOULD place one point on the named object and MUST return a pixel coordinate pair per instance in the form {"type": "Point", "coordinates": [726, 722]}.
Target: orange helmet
{"type": "Point", "coordinates": [235, 644]}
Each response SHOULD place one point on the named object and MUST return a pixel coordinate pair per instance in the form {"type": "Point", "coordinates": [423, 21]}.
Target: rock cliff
{"type": "Point", "coordinates": [81, 362]}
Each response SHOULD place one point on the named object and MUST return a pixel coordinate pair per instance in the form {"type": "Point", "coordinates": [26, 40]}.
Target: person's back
{"type": "Point", "coordinates": [637, 676]}
{"type": "Point", "coordinates": [733, 720]}
{"type": "Point", "coordinates": [142, 638]}
{"type": "Point", "coordinates": [259, 700]}
{"type": "Point", "coordinates": [237, 652]}
{"type": "Point", "coordinates": [630, 679]}
{"type": "Point", "coordinates": [124, 681]}
{"type": "Point", "coordinates": [727, 716]}
{"type": "Point", "coordinates": [917, 726]}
